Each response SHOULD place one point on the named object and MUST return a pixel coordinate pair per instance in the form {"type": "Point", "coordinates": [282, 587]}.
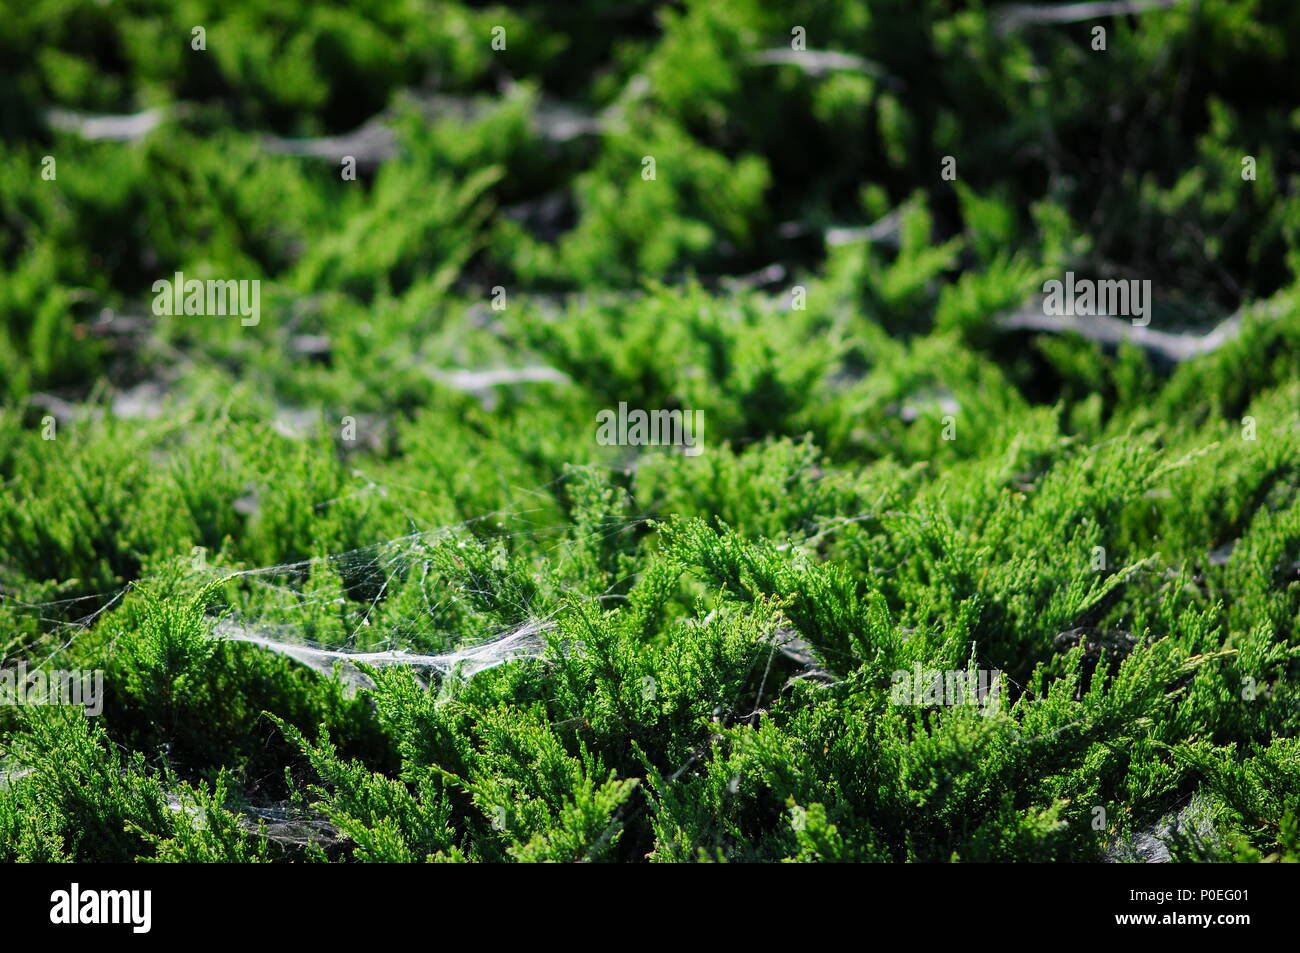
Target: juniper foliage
{"type": "Point", "coordinates": [692, 658]}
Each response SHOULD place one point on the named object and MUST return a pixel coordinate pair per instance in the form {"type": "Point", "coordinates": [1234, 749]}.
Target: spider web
{"type": "Point", "coordinates": [386, 604]}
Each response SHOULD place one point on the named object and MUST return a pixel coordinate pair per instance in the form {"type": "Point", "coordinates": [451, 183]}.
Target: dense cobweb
{"type": "Point", "coordinates": [385, 604]}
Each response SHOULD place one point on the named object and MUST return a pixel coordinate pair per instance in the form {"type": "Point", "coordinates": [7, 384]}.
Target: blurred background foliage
{"type": "Point", "coordinates": [1123, 162]}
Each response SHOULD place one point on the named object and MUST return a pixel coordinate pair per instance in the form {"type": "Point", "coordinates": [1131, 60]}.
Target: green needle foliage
{"type": "Point", "coordinates": [361, 582]}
